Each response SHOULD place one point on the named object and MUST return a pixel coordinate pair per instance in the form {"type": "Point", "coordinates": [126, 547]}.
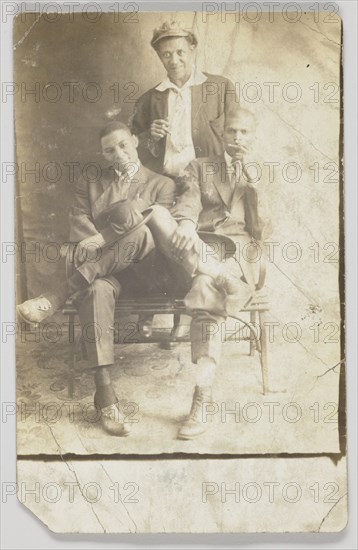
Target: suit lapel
{"type": "Point", "coordinates": [139, 180]}
{"type": "Point", "coordinates": [106, 196]}
{"type": "Point", "coordinates": [110, 193]}
{"type": "Point", "coordinates": [221, 181]}
{"type": "Point", "coordinates": [239, 191]}
{"type": "Point", "coordinates": [109, 175]}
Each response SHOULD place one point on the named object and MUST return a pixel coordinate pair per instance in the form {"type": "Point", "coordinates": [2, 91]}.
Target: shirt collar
{"type": "Point", "coordinates": [229, 160]}
{"type": "Point", "coordinates": [134, 169]}
{"type": "Point", "coordinates": [229, 163]}
{"type": "Point", "coordinates": [196, 78]}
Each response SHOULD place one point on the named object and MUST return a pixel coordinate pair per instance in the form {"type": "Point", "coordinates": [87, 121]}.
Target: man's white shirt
{"type": "Point", "coordinates": [179, 149]}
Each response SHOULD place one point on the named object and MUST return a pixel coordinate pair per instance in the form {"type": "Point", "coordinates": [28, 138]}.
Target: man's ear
{"type": "Point", "coordinates": [135, 140]}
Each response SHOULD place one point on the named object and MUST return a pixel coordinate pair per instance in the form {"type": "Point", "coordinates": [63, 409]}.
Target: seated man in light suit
{"type": "Point", "coordinates": [220, 196]}
{"type": "Point", "coordinates": [183, 116]}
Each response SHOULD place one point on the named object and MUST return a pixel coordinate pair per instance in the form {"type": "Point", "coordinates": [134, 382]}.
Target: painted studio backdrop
{"type": "Point", "coordinates": [72, 76]}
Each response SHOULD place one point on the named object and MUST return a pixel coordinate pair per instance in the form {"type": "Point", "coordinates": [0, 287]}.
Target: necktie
{"type": "Point", "coordinates": [120, 187]}
{"type": "Point", "coordinates": [235, 176]}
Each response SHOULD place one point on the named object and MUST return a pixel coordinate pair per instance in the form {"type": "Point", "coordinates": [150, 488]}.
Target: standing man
{"type": "Point", "coordinates": [182, 117]}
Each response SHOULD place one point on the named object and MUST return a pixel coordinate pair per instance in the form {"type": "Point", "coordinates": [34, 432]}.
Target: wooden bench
{"type": "Point", "coordinates": [255, 324]}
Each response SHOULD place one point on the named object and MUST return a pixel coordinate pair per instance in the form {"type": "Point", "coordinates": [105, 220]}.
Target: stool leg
{"type": "Point", "coordinates": [252, 340]}
{"type": "Point", "coordinates": [176, 325]}
{"type": "Point", "coordinates": [264, 352]}
{"type": "Point", "coordinates": [71, 363]}
{"type": "Point", "coordinates": [180, 326]}
{"type": "Point", "coordinates": [171, 343]}
{"type": "Point", "coordinates": [176, 333]}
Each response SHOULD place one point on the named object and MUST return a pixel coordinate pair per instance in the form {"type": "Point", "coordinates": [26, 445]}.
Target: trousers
{"type": "Point", "coordinates": [143, 264]}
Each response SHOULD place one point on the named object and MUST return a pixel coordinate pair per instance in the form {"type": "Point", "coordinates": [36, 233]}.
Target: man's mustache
{"type": "Point", "coordinates": [236, 146]}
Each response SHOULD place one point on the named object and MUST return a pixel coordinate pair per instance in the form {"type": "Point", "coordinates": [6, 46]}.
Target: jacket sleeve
{"type": "Point", "coordinates": [258, 220]}
{"type": "Point", "coordinates": [81, 221]}
{"type": "Point", "coordinates": [231, 99]}
{"type": "Point", "coordinates": [80, 218]}
{"type": "Point", "coordinates": [166, 193]}
{"type": "Point", "coordinates": [188, 204]}
{"type": "Point", "coordinates": [140, 126]}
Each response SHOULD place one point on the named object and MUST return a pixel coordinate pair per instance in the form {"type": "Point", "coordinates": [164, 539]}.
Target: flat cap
{"type": "Point", "coordinates": [169, 29]}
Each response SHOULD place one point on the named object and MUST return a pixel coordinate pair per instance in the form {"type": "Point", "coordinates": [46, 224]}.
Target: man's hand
{"type": "Point", "coordinates": [185, 238]}
{"type": "Point", "coordinates": [159, 128]}
{"type": "Point", "coordinates": [87, 249]}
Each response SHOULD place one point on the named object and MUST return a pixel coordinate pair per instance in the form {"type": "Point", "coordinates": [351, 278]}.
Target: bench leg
{"type": "Point", "coordinates": [72, 351]}
{"type": "Point", "coordinates": [264, 352]}
{"type": "Point", "coordinates": [169, 342]}
{"type": "Point", "coordinates": [176, 325]}
{"type": "Point", "coordinates": [176, 333]}
{"type": "Point", "coordinates": [252, 340]}
{"type": "Point", "coordinates": [180, 326]}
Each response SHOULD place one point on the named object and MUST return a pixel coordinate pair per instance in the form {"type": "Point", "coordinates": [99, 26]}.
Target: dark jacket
{"type": "Point", "coordinates": [209, 103]}
{"type": "Point", "coordinates": [204, 198]}
{"type": "Point", "coordinates": [92, 197]}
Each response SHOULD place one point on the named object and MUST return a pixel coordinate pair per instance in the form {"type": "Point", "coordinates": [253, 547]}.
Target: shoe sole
{"type": "Point", "coordinates": [33, 324]}
{"type": "Point", "coordinates": [125, 434]}
{"type": "Point", "coordinates": [189, 437]}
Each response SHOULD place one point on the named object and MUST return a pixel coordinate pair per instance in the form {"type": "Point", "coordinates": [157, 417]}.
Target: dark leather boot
{"type": "Point", "coordinates": [106, 403]}
{"type": "Point", "coordinates": [145, 325]}
{"type": "Point", "coordinates": [196, 423]}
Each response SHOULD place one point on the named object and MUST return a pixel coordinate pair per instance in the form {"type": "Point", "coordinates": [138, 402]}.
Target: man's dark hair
{"type": "Point", "coordinates": [191, 39]}
{"type": "Point", "coordinates": [112, 127]}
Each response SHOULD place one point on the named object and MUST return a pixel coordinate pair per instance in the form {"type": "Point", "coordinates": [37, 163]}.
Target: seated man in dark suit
{"type": "Point", "coordinates": [103, 250]}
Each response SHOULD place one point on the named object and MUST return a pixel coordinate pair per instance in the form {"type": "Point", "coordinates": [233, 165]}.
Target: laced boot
{"type": "Point", "coordinates": [195, 424]}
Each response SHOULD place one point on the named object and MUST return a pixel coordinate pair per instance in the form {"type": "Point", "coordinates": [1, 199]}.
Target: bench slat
{"type": "Point", "coordinates": [157, 308]}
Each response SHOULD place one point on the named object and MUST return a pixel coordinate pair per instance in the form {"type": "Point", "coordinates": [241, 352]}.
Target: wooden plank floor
{"type": "Point", "coordinates": [299, 415]}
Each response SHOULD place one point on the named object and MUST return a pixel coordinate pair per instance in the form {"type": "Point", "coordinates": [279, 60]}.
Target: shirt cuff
{"type": "Point", "coordinates": [181, 219]}
{"type": "Point", "coordinates": [108, 235]}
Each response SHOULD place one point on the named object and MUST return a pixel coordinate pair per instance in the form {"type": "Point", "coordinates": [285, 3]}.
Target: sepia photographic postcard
{"type": "Point", "coordinates": [180, 268]}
